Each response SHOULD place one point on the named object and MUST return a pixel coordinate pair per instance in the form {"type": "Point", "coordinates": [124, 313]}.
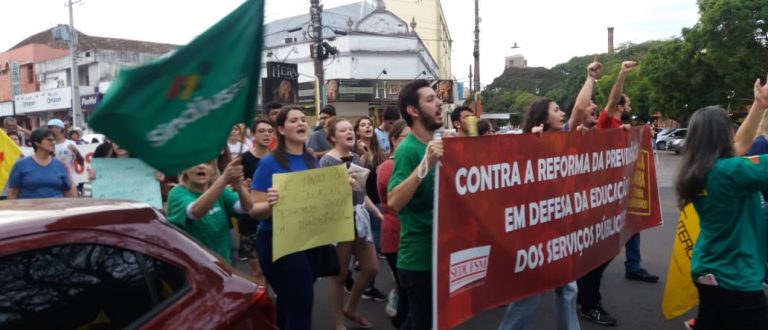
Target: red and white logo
{"type": "Point", "coordinates": [468, 266]}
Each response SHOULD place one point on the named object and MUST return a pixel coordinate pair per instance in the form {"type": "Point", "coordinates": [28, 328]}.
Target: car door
{"type": "Point", "coordinates": [88, 279]}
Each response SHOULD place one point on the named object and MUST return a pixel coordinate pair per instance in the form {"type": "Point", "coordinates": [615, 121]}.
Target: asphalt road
{"type": "Point", "coordinates": [636, 305]}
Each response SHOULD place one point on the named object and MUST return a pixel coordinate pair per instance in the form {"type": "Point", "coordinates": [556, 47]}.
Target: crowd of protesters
{"type": "Point", "coordinates": [393, 208]}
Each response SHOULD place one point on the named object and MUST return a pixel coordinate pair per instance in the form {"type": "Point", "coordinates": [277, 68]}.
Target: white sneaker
{"type": "Point", "coordinates": [392, 301]}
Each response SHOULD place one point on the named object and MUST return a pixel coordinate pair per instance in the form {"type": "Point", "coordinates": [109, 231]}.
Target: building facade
{"type": "Point", "coordinates": [46, 75]}
{"type": "Point", "coordinates": [431, 27]}
{"type": "Point", "coordinates": [376, 53]}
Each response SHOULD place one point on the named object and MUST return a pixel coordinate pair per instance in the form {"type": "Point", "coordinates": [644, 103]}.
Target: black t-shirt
{"type": "Point", "coordinates": [250, 163]}
{"type": "Point", "coordinates": [248, 225]}
{"type": "Point", "coordinates": [370, 187]}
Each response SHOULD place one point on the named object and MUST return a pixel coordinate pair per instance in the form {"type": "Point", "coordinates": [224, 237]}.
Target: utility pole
{"type": "Point", "coordinates": [477, 46]}
{"type": "Point", "coordinates": [470, 80]}
{"type": "Point", "coordinates": [315, 13]}
{"type": "Point", "coordinates": [77, 113]}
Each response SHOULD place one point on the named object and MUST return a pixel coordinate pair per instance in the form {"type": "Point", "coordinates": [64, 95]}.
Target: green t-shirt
{"type": "Point", "coordinates": [415, 252]}
{"type": "Point", "coordinates": [732, 242]}
{"type": "Point", "coordinates": [213, 229]}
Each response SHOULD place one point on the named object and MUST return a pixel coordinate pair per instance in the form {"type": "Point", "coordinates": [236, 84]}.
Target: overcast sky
{"type": "Point", "coordinates": [548, 31]}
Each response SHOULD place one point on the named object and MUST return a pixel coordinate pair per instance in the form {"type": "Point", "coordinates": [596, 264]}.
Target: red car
{"type": "Point", "coordinates": [101, 264]}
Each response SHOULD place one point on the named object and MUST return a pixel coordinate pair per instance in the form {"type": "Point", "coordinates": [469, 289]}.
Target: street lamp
{"type": "Point", "coordinates": [383, 71]}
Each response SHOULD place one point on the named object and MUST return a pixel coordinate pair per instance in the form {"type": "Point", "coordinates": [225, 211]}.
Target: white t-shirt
{"type": "Point", "coordinates": [64, 154]}
{"type": "Point", "coordinates": [236, 149]}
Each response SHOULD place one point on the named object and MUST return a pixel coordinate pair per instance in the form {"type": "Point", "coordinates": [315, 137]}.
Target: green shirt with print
{"type": "Point", "coordinates": [415, 251]}
{"type": "Point", "coordinates": [732, 242]}
{"type": "Point", "coordinates": [213, 229]}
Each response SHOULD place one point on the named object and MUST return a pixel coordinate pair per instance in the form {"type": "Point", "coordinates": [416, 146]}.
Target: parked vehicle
{"type": "Point", "coordinates": [107, 264]}
{"type": "Point", "coordinates": [676, 146]}
{"type": "Point", "coordinates": [662, 141]}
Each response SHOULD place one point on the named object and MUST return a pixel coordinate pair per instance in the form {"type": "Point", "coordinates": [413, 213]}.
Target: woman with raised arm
{"type": "Point", "coordinates": [728, 261]}
{"type": "Point", "coordinates": [544, 116]}
{"type": "Point", "coordinates": [203, 203]}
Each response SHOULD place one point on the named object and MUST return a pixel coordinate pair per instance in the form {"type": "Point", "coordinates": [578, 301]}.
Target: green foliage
{"type": "Point", "coordinates": [714, 62]}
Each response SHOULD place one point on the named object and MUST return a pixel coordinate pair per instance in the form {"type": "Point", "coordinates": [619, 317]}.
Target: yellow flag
{"type": "Point", "coordinates": [680, 294]}
{"type": "Point", "coordinates": [315, 209]}
{"type": "Point", "coordinates": [9, 153]}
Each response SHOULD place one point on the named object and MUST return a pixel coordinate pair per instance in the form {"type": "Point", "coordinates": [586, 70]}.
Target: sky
{"type": "Point", "coordinates": [548, 32]}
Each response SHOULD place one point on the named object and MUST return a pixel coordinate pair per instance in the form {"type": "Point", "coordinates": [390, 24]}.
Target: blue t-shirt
{"type": "Point", "coordinates": [759, 147]}
{"type": "Point", "coordinates": [262, 179]}
{"type": "Point", "coordinates": [35, 181]}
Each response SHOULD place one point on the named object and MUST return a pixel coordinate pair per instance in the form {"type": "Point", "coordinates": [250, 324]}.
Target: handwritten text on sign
{"type": "Point", "coordinates": [315, 209]}
{"type": "Point", "coordinates": [126, 178]}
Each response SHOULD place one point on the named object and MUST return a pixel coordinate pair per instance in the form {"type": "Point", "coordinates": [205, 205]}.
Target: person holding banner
{"type": "Point", "coordinates": [544, 116]}
{"type": "Point", "coordinates": [292, 276]}
{"type": "Point", "coordinates": [619, 104]}
{"type": "Point", "coordinates": [41, 175]}
{"type": "Point", "coordinates": [583, 119]}
{"type": "Point", "coordinates": [342, 136]}
{"type": "Point", "coordinates": [203, 203]}
{"type": "Point", "coordinates": [411, 193]}
{"type": "Point", "coordinates": [728, 261]}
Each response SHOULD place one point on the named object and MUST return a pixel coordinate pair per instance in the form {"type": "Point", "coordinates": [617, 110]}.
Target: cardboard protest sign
{"type": "Point", "coordinates": [315, 209]}
{"type": "Point", "coordinates": [126, 178]}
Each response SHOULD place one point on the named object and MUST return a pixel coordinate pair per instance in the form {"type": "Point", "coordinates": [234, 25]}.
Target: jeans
{"type": "Point", "coordinates": [632, 250]}
{"type": "Point", "coordinates": [520, 314]}
{"type": "Point", "coordinates": [293, 279]}
{"type": "Point", "coordinates": [376, 231]}
{"type": "Point", "coordinates": [418, 285]}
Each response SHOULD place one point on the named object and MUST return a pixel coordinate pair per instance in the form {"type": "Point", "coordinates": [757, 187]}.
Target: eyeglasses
{"type": "Point", "coordinates": [265, 130]}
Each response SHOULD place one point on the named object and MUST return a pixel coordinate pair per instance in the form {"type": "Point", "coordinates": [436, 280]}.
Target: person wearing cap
{"type": "Point", "coordinates": [66, 150]}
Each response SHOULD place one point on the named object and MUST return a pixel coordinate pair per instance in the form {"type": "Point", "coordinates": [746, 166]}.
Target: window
{"type": "Point", "coordinates": [83, 286]}
{"type": "Point", "coordinates": [30, 75]}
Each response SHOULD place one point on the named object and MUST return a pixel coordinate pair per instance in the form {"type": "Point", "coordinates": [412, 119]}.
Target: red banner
{"type": "Point", "coordinates": [521, 214]}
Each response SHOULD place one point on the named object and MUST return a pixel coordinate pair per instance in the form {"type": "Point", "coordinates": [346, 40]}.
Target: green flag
{"type": "Point", "coordinates": [177, 111]}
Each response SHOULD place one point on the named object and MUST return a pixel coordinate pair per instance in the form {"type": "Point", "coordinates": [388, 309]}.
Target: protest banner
{"type": "Point", "coordinates": [315, 209]}
{"type": "Point", "coordinates": [126, 178]}
{"type": "Point", "coordinates": [680, 294]}
{"type": "Point", "coordinates": [80, 172]}
{"type": "Point", "coordinates": [534, 212]}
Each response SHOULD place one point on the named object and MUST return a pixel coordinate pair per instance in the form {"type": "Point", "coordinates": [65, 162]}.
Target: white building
{"type": "Point", "coordinates": [378, 52]}
{"type": "Point", "coordinates": [515, 61]}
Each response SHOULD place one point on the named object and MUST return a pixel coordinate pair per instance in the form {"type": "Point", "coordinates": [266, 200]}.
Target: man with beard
{"type": "Point", "coordinates": [619, 104]}
{"type": "Point", "coordinates": [411, 194]}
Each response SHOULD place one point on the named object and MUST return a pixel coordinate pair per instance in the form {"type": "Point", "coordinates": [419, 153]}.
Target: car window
{"type": "Point", "coordinates": [83, 286]}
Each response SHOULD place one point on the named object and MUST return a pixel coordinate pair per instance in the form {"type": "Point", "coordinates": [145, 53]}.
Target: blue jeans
{"type": "Point", "coordinates": [632, 249]}
{"type": "Point", "coordinates": [293, 279]}
{"type": "Point", "coordinates": [521, 314]}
